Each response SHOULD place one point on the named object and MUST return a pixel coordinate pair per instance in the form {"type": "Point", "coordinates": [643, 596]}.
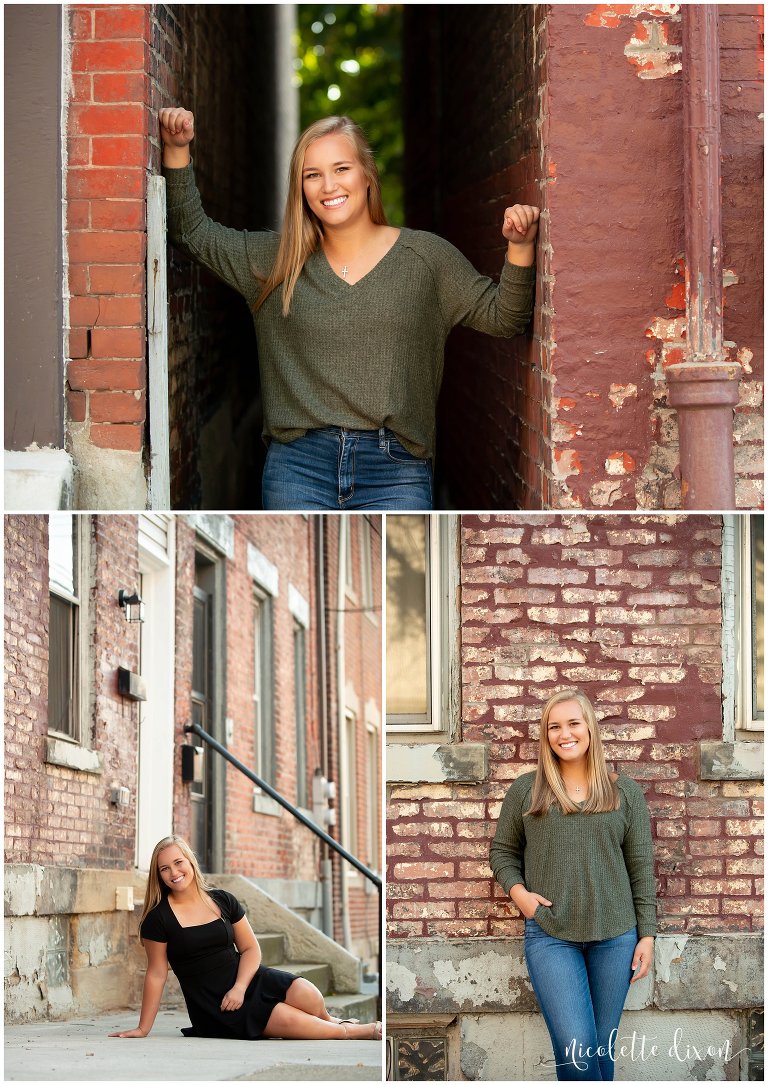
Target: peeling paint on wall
{"type": "Point", "coordinates": [401, 981]}
{"type": "Point", "coordinates": [658, 485]}
{"type": "Point", "coordinates": [649, 49]}
{"type": "Point", "coordinates": [472, 980]}
{"type": "Point", "coordinates": [669, 951]}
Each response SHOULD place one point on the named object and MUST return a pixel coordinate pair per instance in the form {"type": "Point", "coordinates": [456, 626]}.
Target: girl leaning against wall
{"type": "Point", "coordinates": [573, 850]}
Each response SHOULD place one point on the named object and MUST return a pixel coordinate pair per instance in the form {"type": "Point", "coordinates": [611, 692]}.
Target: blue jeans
{"type": "Point", "coordinates": [345, 469]}
{"type": "Point", "coordinates": [581, 988]}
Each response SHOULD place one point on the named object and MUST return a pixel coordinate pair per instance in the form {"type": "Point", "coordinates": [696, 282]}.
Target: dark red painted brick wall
{"type": "Point", "coordinates": [581, 112]}
{"type": "Point", "coordinates": [628, 609]}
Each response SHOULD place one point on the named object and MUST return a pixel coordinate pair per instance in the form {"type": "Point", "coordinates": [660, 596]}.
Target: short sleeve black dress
{"type": "Point", "coordinates": [205, 960]}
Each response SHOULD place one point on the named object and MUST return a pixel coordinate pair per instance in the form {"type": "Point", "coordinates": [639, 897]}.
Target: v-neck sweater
{"type": "Point", "coordinates": [361, 355]}
{"type": "Point", "coordinates": [597, 869]}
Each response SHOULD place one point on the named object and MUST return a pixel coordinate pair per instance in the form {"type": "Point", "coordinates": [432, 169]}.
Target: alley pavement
{"type": "Point", "coordinates": [82, 1050]}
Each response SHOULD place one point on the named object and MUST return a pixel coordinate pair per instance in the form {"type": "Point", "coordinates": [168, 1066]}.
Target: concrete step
{"type": "Point", "coordinates": [272, 949]}
{"type": "Point", "coordinates": [319, 974]}
{"type": "Point", "coordinates": [363, 1007]}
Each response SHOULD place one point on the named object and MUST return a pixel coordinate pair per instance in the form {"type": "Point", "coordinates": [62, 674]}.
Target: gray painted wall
{"type": "Point", "coordinates": [34, 395]}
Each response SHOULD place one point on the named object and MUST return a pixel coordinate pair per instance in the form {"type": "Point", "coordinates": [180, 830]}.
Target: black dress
{"type": "Point", "coordinates": [205, 960]}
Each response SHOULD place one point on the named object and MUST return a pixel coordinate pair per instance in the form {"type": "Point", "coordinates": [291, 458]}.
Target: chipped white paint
{"type": "Point", "coordinates": [719, 964]}
{"type": "Point", "coordinates": [401, 981]}
{"type": "Point", "coordinates": [668, 952]}
{"type": "Point", "coordinates": [479, 980]}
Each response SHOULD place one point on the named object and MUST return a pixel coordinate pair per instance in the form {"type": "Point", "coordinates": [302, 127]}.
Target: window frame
{"type": "Point", "coordinates": [263, 656]}
{"type": "Point", "coordinates": [367, 599]}
{"type": "Point", "coordinates": [349, 798]}
{"type": "Point", "coordinates": [373, 738]}
{"type": "Point", "coordinates": [443, 580]}
{"type": "Point", "coordinates": [746, 718]}
{"type": "Point", "coordinates": [736, 581]}
{"type": "Point", "coordinates": [79, 601]}
{"type": "Point", "coordinates": [300, 709]}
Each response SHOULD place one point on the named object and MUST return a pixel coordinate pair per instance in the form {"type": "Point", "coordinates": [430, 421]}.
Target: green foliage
{"type": "Point", "coordinates": [354, 51]}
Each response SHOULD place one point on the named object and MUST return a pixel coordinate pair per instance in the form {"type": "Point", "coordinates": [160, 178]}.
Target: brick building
{"type": "Point", "coordinates": [659, 620]}
{"type": "Point", "coordinates": [118, 399]}
{"type": "Point", "coordinates": [264, 631]}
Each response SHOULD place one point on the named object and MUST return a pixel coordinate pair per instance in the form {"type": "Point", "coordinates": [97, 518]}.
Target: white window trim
{"type": "Point", "coordinates": [349, 798]}
{"type": "Point", "coordinates": [375, 852]}
{"type": "Point", "coordinates": [81, 599]}
{"type": "Point", "coordinates": [443, 626]}
{"type": "Point", "coordinates": [366, 570]}
{"type": "Point", "coordinates": [263, 671]}
{"type": "Point", "coordinates": [737, 633]}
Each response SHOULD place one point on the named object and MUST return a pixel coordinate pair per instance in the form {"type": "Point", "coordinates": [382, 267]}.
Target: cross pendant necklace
{"type": "Point", "coordinates": [344, 272]}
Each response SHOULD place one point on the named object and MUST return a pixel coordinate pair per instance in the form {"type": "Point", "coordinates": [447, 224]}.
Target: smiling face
{"type": "Point", "coordinates": [174, 869]}
{"type": "Point", "coordinates": [335, 186]}
{"type": "Point", "coordinates": [568, 731]}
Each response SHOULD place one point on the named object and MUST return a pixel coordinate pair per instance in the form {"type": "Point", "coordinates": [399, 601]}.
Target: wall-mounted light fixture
{"type": "Point", "coordinates": [132, 605]}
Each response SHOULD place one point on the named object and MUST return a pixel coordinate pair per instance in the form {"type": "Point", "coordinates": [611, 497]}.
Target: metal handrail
{"type": "Point", "coordinates": [196, 729]}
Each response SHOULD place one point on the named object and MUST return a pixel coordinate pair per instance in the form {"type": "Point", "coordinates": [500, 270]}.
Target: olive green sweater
{"type": "Point", "coordinates": [362, 355]}
{"type": "Point", "coordinates": [597, 869]}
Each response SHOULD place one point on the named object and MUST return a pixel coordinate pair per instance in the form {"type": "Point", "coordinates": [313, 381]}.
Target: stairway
{"type": "Point", "coordinates": [352, 1004]}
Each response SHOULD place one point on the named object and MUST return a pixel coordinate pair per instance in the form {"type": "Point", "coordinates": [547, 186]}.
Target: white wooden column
{"type": "Point", "coordinates": [157, 332]}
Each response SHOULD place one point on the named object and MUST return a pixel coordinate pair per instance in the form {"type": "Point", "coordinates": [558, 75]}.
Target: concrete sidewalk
{"type": "Point", "coordinates": [82, 1050]}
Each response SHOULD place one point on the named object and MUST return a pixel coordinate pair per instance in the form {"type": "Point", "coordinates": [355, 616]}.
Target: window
{"type": "Point", "coordinates": [69, 577]}
{"type": "Point", "coordinates": [422, 569]}
{"type": "Point", "coordinates": [374, 754]}
{"type": "Point", "coordinates": [300, 684]}
{"type": "Point", "coordinates": [345, 543]}
{"type": "Point", "coordinates": [366, 574]}
{"type": "Point", "coordinates": [750, 693]}
{"type": "Point", "coordinates": [263, 715]}
{"type": "Point", "coordinates": [349, 783]}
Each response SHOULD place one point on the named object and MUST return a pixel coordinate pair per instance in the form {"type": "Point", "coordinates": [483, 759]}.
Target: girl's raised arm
{"type": "Point", "coordinates": [177, 130]}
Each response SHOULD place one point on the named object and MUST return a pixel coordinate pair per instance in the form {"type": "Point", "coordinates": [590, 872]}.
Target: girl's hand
{"type": "Point", "coordinates": [233, 999]}
{"type": "Point", "coordinates": [643, 956]}
{"type": "Point", "coordinates": [530, 902]}
{"type": "Point", "coordinates": [521, 224]}
{"type": "Point", "coordinates": [132, 1033]}
{"type": "Point", "coordinates": [177, 127]}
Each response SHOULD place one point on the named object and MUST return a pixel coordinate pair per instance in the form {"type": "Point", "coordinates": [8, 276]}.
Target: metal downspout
{"type": "Point", "coordinates": [704, 388]}
{"type": "Point", "coordinates": [322, 702]}
{"type": "Point", "coordinates": [341, 684]}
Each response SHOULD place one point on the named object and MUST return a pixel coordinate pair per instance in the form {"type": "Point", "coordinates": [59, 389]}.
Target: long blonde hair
{"type": "Point", "coordinates": [548, 787]}
{"type": "Point", "coordinates": [156, 888]}
{"type": "Point", "coordinates": [302, 230]}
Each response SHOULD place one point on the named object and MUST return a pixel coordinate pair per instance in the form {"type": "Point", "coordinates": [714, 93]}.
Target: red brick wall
{"type": "Point", "coordinates": [628, 609]}
{"type": "Point", "coordinates": [57, 815]}
{"type": "Point", "coordinates": [105, 187]}
{"type": "Point", "coordinates": [362, 663]}
{"type": "Point", "coordinates": [185, 583]}
{"type": "Point", "coordinates": [259, 845]}
{"type": "Point", "coordinates": [26, 680]}
{"type": "Point", "coordinates": [127, 62]}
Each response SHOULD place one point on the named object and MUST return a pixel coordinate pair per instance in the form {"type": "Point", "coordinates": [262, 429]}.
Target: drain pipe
{"type": "Point", "coordinates": [341, 684]}
{"type": "Point", "coordinates": [322, 703]}
{"type": "Point", "coordinates": [704, 388]}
